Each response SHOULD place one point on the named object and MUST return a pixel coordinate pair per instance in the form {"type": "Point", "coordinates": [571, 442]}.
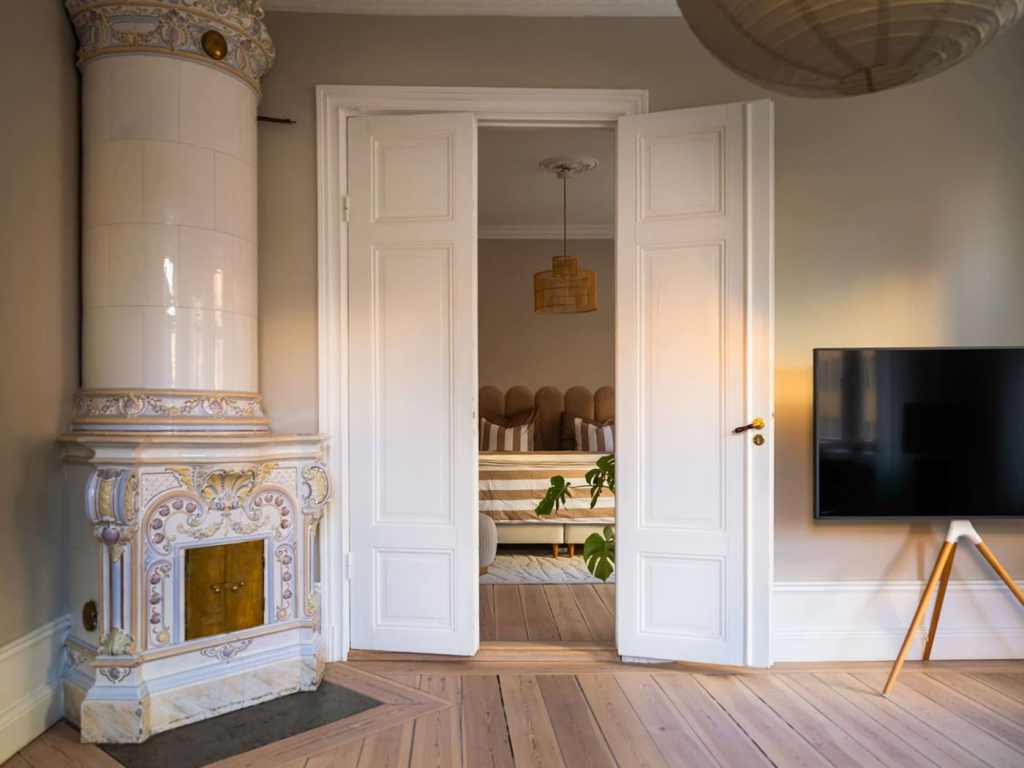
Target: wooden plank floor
{"type": "Point", "coordinates": [576, 613]}
{"type": "Point", "coordinates": [487, 713]}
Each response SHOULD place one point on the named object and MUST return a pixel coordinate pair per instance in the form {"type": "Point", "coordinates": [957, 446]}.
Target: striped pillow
{"type": "Point", "coordinates": [508, 434]}
{"type": "Point", "coordinates": [593, 436]}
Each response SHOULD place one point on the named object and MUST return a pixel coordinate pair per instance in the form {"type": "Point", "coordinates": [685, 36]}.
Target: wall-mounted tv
{"type": "Point", "coordinates": [911, 433]}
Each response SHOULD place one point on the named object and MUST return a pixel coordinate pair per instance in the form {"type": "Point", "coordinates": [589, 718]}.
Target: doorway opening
{"type": "Point", "coordinates": [399, 367]}
{"type": "Point", "coordinates": [546, 351]}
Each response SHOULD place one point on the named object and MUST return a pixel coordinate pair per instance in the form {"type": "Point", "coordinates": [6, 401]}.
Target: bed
{"type": "Point", "coordinates": [512, 483]}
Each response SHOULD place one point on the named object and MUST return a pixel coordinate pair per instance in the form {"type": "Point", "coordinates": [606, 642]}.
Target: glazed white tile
{"type": "Point", "coordinates": [96, 98]}
{"type": "Point", "coordinates": [144, 97]}
{"type": "Point", "coordinates": [208, 347]}
{"type": "Point", "coordinates": [249, 375]}
{"type": "Point", "coordinates": [113, 182]}
{"type": "Point", "coordinates": [215, 109]}
{"type": "Point", "coordinates": [246, 281]}
{"type": "Point", "coordinates": [112, 339]}
{"type": "Point", "coordinates": [96, 267]}
{"type": "Point", "coordinates": [250, 128]}
{"type": "Point", "coordinates": [235, 198]}
{"type": "Point", "coordinates": [177, 184]}
{"type": "Point", "coordinates": [169, 348]}
{"type": "Point", "coordinates": [143, 265]}
{"type": "Point", "coordinates": [207, 269]}
{"type": "Point", "coordinates": [239, 353]}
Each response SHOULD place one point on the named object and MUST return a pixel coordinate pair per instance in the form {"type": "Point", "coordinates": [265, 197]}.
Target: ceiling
{"type": "Point", "coordinates": [518, 199]}
{"type": "Point", "coordinates": [480, 7]}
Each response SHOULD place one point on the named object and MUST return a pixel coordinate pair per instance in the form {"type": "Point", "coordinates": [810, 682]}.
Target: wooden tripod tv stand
{"type": "Point", "coordinates": [958, 529]}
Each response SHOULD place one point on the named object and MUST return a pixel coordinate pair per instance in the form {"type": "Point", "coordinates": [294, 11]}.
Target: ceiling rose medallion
{"type": "Point", "coordinates": [565, 288]}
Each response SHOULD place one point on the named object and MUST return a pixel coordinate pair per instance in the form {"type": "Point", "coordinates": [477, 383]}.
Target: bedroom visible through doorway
{"type": "Point", "coordinates": [546, 272]}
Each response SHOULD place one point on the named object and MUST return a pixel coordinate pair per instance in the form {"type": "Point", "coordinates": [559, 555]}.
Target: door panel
{"type": "Point", "coordinates": [687, 245]}
{"type": "Point", "coordinates": [413, 382]}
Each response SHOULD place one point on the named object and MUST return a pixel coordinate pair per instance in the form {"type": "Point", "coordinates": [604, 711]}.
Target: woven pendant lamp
{"type": "Point", "coordinates": [845, 47]}
{"type": "Point", "coordinates": [565, 288]}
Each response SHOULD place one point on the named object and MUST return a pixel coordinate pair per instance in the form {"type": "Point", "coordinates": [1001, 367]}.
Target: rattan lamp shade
{"type": "Point", "coordinates": [565, 288]}
{"type": "Point", "coordinates": [845, 47]}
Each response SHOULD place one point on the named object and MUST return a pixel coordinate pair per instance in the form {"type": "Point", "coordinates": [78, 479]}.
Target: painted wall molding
{"type": "Point", "coordinates": [866, 621]}
{"type": "Point", "coordinates": [551, 107]}
{"type": "Point", "coordinates": [545, 232]}
{"type": "Point", "coordinates": [32, 699]}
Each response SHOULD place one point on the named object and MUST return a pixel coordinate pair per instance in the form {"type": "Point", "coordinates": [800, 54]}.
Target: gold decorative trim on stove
{"type": "Point", "coordinates": [177, 28]}
{"type": "Point", "coordinates": [162, 410]}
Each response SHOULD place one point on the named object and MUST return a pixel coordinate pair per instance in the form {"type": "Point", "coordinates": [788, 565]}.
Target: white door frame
{"type": "Point", "coordinates": [493, 107]}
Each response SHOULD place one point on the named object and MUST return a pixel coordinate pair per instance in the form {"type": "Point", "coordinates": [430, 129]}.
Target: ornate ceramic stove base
{"type": "Point", "coordinates": [145, 502]}
{"type": "Point", "coordinates": [132, 719]}
{"type": "Point", "coordinates": [231, 738]}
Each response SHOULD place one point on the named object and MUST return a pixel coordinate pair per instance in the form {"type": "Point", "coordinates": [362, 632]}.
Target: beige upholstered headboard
{"type": "Point", "coordinates": [550, 403]}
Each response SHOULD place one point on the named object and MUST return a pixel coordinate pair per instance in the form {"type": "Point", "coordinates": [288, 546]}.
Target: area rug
{"type": "Point", "coordinates": [208, 741]}
{"type": "Point", "coordinates": [537, 569]}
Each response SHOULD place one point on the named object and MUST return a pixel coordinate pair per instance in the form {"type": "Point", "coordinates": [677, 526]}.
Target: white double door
{"type": "Point", "coordinates": [693, 347]}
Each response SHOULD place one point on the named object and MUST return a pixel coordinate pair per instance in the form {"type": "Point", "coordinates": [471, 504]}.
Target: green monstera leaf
{"type": "Point", "coordinates": [599, 553]}
{"type": "Point", "coordinates": [600, 477]}
{"type": "Point", "coordinates": [555, 497]}
{"type": "Point", "coordinates": [598, 550]}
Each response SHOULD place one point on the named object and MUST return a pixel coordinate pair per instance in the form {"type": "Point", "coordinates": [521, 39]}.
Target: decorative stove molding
{"type": "Point", "coordinates": [157, 409]}
{"type": "Point", "coordinates": [204, 505]}
{"type": "Point", "coordinates": [115, 674]}
{"type": "Point", "coordinates": [147, 501]}
{"type": "Point", "coordinates": [111, 504]}
{"type": "Point", "coordinates": [228, 651]}
{"type": "Point", "coordinates": [176, 28]}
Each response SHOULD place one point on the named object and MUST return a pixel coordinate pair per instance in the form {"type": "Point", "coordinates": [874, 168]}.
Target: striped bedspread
{"type": "Point", "coordinates": [511, 485]}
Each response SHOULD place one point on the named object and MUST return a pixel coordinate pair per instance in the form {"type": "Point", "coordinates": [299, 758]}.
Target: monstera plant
{"type": "Point", "coordinates": [599, 548]}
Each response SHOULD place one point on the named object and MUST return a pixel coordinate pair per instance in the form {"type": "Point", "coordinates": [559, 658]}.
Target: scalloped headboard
{"type": "Point", "coordinates": [550, 403]}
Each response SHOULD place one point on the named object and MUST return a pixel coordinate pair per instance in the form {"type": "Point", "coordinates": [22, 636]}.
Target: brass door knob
{"type": "Point", "coordinates": [757, 423]}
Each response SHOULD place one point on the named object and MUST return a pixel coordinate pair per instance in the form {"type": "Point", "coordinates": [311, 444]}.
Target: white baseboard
{"type": "Point", "coordinates": [866, 621]}
{"type": "Point", "coordinates": [30, 685]}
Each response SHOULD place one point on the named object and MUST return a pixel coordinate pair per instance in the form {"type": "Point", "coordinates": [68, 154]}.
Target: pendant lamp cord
{"type": "Point", "coordinates": [564, 216]}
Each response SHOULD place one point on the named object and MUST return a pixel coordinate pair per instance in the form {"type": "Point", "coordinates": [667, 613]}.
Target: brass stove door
{"type": "Point", "coordinates": [223, 588]}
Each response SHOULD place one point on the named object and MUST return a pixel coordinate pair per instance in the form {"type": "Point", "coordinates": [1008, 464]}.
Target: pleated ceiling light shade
{"type": "Point", "coordinates": [845, 47]}
{"type": "Point", "coordinates": [565, 288]}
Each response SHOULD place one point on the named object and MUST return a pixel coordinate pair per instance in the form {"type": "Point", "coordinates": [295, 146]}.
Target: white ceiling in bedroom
{"type": "Point", "coordinates": [520, 200]}
{"type": "Point", "coordinates": [480, 7]}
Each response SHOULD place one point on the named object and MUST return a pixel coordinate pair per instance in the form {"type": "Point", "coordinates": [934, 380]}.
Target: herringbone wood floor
{"type": "Point", "coordinates": [565, 711]}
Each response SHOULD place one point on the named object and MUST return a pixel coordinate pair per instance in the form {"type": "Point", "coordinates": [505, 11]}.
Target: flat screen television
{"type": "Point", "coordinates": [912, 433]}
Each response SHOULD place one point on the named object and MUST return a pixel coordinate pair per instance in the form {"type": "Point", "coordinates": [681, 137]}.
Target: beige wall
{"type": "Point", "coordinates": [38, 303]}
{"type": "Point", "coordinates": [518, 346]}
{"type": "Point", "coordinates": [898, 217]}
